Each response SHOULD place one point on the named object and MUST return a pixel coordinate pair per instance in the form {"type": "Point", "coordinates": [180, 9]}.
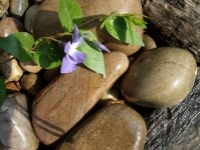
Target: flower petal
{"type": "Point", "coordinates": [77, 56]}
{"type": "Point", "coordinates": [101, 46]}
{"type": "Point", "coordinates": [78, 43]}
{"type": "Point", "coordinates": [74, 54]}
{"type": "Point", "coordinates": [67, 47]}
{"type": "Point", "coordinates": [68, 65]}
{"type": "Point", "coordinates": [76, 34]}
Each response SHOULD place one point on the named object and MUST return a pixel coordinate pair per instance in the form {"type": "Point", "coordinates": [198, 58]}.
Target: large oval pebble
{"type": "Point", "coordinates": [115, 127]}
{"type": "Point", "coordinates": [46, 21]}
{"type": "Point", "coordinates": [161, 77]}
{"type": "Point", "coordinates": [70, 96]}
{"type": "Point", "coordinates": [97, 8]}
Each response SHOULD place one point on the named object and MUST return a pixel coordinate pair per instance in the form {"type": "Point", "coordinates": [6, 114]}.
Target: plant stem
{"type": "Point", "coordinates": [89, 21]}
{"type": "Point", "coordinates": [38, 45]}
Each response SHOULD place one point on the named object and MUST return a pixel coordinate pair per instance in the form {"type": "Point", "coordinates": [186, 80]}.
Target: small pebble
{"type": "Point", "coordinates": [4, 4]}
{"type": "Point", "coordinates": [32, 83]}
{"type": "Point", "coordinates": [149, 43]}
{"type": "Point", "coordinates": [11, 88]}
{"type": "Point", "coordinates": [31, 67]}
{"type": "Point", "coordinates": [10, 70]}
{"type": "Point", "coordinates": [9, 26]}
{"type": "Point", "coordinates": [18, 8]}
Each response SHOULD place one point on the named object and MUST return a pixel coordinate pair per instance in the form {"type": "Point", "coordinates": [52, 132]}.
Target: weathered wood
{"type": "Point", "coordinates": [177, 22]}
{"type": "Point", "coordinates": [176, 128]}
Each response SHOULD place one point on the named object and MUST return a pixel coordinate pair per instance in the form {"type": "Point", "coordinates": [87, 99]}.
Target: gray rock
{"type": "Point", "coordinates": [16, 131]}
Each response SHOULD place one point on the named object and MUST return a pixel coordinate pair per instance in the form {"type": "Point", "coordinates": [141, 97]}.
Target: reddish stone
{"type": "Point", "coordinates": [115, 127]}
{"type": "Point", "coordinates": [9, 26]}
{"type": "Point", "coordinates": [64, 102]}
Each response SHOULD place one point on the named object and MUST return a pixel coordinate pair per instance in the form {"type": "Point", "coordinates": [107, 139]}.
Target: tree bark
{"type": "Point", "coordinates": [176, 128]}
{"type": "Point", "coordinates": [176, 22]}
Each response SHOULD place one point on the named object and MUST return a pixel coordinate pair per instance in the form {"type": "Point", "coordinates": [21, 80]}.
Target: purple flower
{"type": "Point", "coordinates": [72, 55]}
{"type": "Point", "coordinates": [101, 46]}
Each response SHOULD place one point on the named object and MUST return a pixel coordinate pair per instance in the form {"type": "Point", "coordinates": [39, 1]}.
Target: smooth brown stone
{"type": "Point", "coordinates": [28, 19]}
{"type": "Point", "coordinates": [9, 26]}
{"type": "Point", "coordinates": [148, 42]}
{"type": "Point", "coordinates": [70, 96]}
{"type": "Point", "coordinates": [97, 8]}
{"type": "Point", "coordinates": [46, 21]}
{"type": "Point", "coordinates": [11, 88]}
{"type": "Point", "coordinates": [104, 103]}
{"type": "Point", "coordinates": [115, 127]}
{"type": "Point", "coordinates": [112, 93]}
{"type": "Point", "coordinates": [11, 70]}
{"type": "Point", "coordinates": [30, 66]}
{"type": "Point", "coordinates": [50, 74]}
{"type": "Point", "coordinates": [32, 83]}
{"type": "Point", "coordinates": [160, 77]}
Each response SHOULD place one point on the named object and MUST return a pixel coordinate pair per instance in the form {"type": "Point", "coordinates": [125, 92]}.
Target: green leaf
{"type": "Point", "coordinates": [121, 29]}
{"type": "Point", "coordinates": [94, 57]}
{"type": "Point", "coordinates": [18, 45]}
{"type": "Point", "coordinates": [2, 92]}
{"type": "Point", "coordinates": [89, 35]}
{"type": "Point", "coordinates": [112, 14]}
{"type": "Point", "coordinates": [130, 30]}
{"type": "Point", "coordinates": [48, 55]}
{"type": "Point", "coordinates": [138, 22]}
{"type": "Point", "coordinates": [69, 13]}
{"type": "Point", "coordinates": [136, 40]}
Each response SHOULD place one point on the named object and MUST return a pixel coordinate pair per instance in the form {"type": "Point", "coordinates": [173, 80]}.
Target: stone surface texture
{"type": "Point", "coordinates": [32, 83]}
{"type": "Point", "coordinates": [18, 8]}
{"type": "Point", "coordinates": [161, 77]}
{"type": "Point", "coordinates": [46, 21]}
{"type": "Point", "coordinates": [11, 69]}
{"type": "Point", "coordinates": [31, 67]}
{"type": "Point", "coordinates": [64, 102]}
{"type": "Point", "coordinates": [28, 19]}
{"type": "Point", "coordinates": [116, 127]}
{"type": "Point", "coordinates": [149, 43]}
{"type": "Point", "coordinates": [4, 4]}
{"type": "Point", "coordinates": [11, 87]}
{"type": "Point", "coordinates": [97, 8]}
{"type": "Point", "coordinates": [9, 26]}
{"type": "Point", "coordinates": [16, 131]}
